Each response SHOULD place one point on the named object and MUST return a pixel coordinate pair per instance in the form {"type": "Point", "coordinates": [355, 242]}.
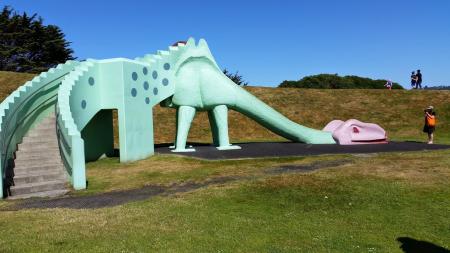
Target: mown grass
{"type": "Point", "coordinates": [362, 206]}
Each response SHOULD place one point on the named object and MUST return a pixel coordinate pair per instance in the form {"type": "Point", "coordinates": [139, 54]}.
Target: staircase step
{"type": "Point", "coordinates": [48, 194]}
{"type": "Point", "coordinates": [43, 129]}
{"type": "Point", "coordinates": [38, 151]}
{"type": "Point", "coordinates": [49, 134]}
{"type": "Point", "coordinates": [37, 146]}
{"type": "Point", "coordinates": [39, 177]}
{"type": "Point", "coordinates": [18, 171]}
{"type": "Point", "coordinates": [40, 139]}
{"type": "Point", "coordinates": [38, 187]}
{"type": "Point", "coordinates": [39, 156]}
{"type": "Point", "coordinates": [30, 162]}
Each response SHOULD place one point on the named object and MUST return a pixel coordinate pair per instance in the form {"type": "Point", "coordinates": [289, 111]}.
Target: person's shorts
{"type": "Point", "coordinates": [413, 84]}
{"type": "Point", "coordinates": [428, 129]}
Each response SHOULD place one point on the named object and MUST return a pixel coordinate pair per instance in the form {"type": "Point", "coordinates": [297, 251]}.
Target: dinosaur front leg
{"type": "Point", "coordinates": [218, 118]}
{"type": "Point", "coordinates": [185, 115]}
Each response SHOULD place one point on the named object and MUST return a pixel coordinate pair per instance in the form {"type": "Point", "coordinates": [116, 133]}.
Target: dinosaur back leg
{"type": "Point", "coordinates": [214, 128]}
{"type": "Point", "coordinates": [185, 115]}
{"type": "Point", "coordinates": [176, 130]}
{"type": "Point", "coordinates": [219, 127]}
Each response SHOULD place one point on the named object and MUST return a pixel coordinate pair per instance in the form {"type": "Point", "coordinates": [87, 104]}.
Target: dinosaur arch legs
{"type": "Point", "coordinates": [218, 119]}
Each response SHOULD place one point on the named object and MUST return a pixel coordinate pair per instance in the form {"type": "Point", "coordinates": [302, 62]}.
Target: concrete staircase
{"type": "Point", "coordinates": [38, 170]}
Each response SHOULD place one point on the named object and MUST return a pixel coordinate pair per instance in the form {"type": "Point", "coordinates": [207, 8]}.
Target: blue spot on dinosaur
{"type": "Point", "coordinates": [134, 76]}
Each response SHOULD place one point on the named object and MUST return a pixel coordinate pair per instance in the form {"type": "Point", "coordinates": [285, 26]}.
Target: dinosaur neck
{"type": "Point", "coordinates": [259, 111]}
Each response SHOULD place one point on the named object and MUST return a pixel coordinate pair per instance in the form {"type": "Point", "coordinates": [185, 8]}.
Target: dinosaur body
{"type": "Point", "coordinates": [201, 86]}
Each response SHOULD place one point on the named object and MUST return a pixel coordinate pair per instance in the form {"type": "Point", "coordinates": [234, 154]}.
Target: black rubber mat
{"type": "Point", "coordinates": [280, 149]}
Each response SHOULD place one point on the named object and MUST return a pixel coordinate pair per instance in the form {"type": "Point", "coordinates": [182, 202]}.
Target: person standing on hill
{"type": "Point", "coordinates": [430, 123]}
{"type": "Point", "coordinates": [418, 80]}
{"type": "Point", "coordinates": [413, 79]}
{"type": "Point", "coordinates": [388, 84]}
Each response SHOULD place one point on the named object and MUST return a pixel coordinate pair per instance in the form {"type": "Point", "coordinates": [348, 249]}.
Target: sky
{"type": "Point", "coordinates": [267, 41]}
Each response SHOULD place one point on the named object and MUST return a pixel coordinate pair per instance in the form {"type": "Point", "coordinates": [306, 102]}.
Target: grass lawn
{"type": "Point", "coordinates": [363, 205]}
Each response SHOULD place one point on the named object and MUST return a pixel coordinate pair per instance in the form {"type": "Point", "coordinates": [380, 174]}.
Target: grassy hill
{"type": "Point", "coordinates": [9, 81]}
{"type": "Point", "coordinates": [400, 112]}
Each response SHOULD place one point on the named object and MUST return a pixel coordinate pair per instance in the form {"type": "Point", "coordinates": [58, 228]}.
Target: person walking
{"type": "Point", "coordinates": [413, 79]}
{"type": "Point", "coordinates": [419, 79]}
{"type": "Point", "coordinates": [430, 123]}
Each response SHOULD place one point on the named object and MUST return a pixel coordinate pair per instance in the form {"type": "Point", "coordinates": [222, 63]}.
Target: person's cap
{"type": "Point", "coordinates": [430, 107]}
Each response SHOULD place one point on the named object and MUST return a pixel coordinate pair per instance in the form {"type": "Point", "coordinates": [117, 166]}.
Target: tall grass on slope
{"type": "Point", "coordinates": [400, 112]}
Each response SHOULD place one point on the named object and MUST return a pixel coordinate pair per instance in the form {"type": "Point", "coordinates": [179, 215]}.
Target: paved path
{"type": "Point", "coordinates": [279, 149]}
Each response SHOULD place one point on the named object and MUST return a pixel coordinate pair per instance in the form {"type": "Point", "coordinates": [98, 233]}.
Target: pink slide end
{"type": "Point", "coordinates": [353, 132]}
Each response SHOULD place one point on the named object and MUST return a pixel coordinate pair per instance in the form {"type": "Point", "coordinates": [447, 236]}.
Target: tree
{"type": "Point", "coordinates": [236, 78]}
{"type": "Point", "coordinates": [334, 81]}
{"type": "Point", "coordinates": [27, 45]}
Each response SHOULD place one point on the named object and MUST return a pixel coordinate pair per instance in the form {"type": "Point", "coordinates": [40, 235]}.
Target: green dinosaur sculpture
{"type": "Point", "coordinates": [201, 86]}
{"type": "Point", "coordinates": [83, 95]}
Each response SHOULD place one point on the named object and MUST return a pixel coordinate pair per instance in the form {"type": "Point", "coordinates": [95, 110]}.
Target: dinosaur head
{"type": "Point", "coordinates": [191, 51]}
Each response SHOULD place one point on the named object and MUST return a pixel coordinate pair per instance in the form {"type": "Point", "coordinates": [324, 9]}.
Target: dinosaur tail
{"type": "Point", "coordinates": [265, 115]}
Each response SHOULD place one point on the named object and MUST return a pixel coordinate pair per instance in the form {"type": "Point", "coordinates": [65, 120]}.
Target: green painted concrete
{"type": "Point", "coordinates": [186, 78]}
